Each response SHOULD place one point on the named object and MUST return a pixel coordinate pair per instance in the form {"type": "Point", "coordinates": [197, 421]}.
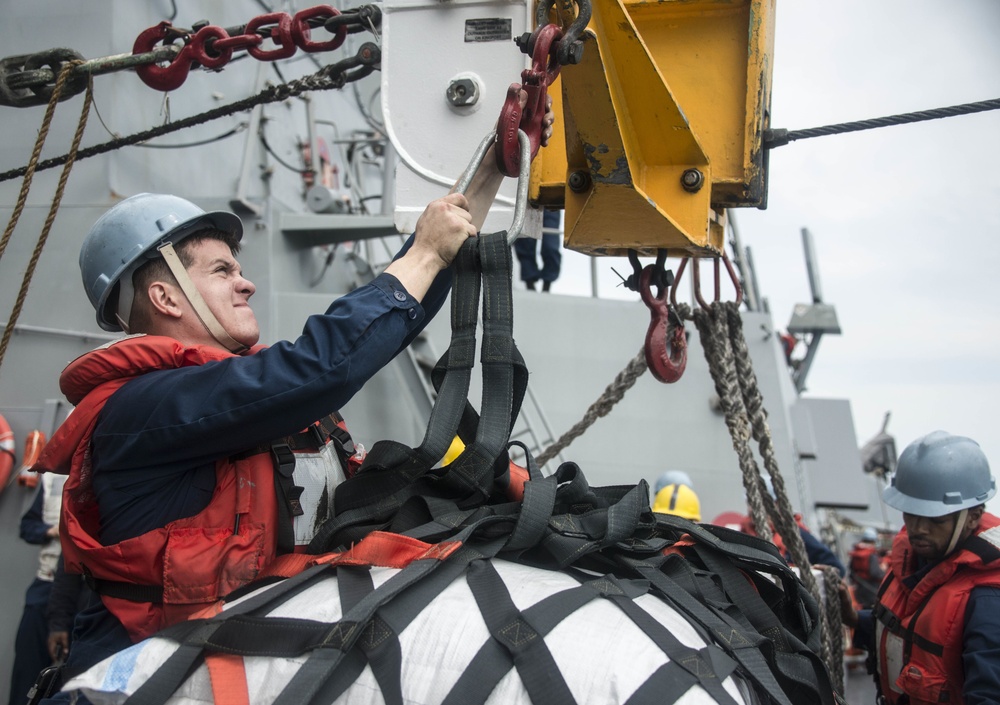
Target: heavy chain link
{"type": "Point", "coordinates": [163, 55]}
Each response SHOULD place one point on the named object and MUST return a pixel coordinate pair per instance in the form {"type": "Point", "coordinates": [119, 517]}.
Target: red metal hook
{"type": "Point", "coordinates": [162, 78]}
{"type": "Point", "coordinates": [666, 343]}
{"type": "Point", "coordinates": [535, 82]}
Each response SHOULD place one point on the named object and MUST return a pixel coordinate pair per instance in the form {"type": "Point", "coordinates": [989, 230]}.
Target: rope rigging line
{"type": "Point", "coordinates": [721, 332]}
{"type": "Point", "coordinates": [602, 407]}
{"type": "Point", "coordinates": [780, 137]}
{"type": "Point", "coordinates": [43, 132]}
{"type": "Point", "coordinates": [332, 76]}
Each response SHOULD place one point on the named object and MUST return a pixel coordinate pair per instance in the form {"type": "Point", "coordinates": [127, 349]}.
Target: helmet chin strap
{"type": "Point", "coordinates": [126, 294]}
{"type": "Point", "coordinates": [207, 318]}
{"type": "Point", "coordinates": [959, 526]}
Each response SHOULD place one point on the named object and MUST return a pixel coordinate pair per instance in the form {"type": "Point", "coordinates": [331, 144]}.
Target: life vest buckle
{"type": "Point", "coordinates": [284, 459]}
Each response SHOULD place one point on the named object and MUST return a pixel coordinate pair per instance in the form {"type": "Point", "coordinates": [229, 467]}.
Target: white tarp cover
{"type": "Point", "coordinates": [602, 655]}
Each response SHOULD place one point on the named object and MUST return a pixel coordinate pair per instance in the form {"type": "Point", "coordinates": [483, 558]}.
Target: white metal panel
{"type": "Point", "coordinates": [424, 49]}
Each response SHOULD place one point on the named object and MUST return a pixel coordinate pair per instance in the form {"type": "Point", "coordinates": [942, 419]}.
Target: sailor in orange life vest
{"type": "Point", "coordinates": [935, 629]}
{"type": "Point", "coordinates": [179, 491]}
{"type": "Point", "coordinates": [866, 569]}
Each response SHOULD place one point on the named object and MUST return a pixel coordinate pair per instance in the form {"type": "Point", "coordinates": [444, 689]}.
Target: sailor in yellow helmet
{"type": "Point", "coordinates": [680, 500]}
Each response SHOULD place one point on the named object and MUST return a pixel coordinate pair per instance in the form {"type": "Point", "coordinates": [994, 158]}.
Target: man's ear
{"type": "Point", "coordinates": [165, 299]}
{"type": "Point", "coordinates": [975, 515]}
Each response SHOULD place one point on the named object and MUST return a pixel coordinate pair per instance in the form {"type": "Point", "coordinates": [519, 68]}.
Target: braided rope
{"type": "Point", "coordinates": [721, 331]}
{"type": "Point", "coordinates": [718, 352]}
{"type": "Point", "coordinates": [56, 199]}
{"type": "Point", "coordinates": [319, 81]}
{"type": "Point", "coordinates": [834, 618]}
{"type": "Point", "coordinates": [781, 509]}
{"type": "Point", "coordinates": [612, 395]}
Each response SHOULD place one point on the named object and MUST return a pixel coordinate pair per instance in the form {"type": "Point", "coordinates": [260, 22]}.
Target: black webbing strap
{"type": "Point", "coordinates": [706, 669]}
{"type": "Point", "coordinates": [668, 682]}
{"type": "Point", "coordinates": [533, 519]}
{"type": "Point", "coordinates": [800, 613]}
{"type": "Point", "coordinates": [492, 662]}
{"type": "Point", "coordinates": [452, 376]}
{"type": "Point", "coordinates": [745, 597]}
{"type": "Point", "coordinates": [379, 643]}
{"type": "Point", "coordinates": [526, 646]}
{"type": "Point", "coordinates": [895, 626]}
{"type": "Point", "coordinates": [342, 636]}
{"type": "Point", "coordinates": [288, 494]}
{"type": "Point", "coordinates": [585, 519]}
{"type": "Point", "coordinates": [800, 671]}
{"type": "Point", "coordinates": [391, 470]}
{"type": "Point", "coordinates": [194, 636]}
{"type": "Point", "coordinates": [746, 648]}
{"type": "Point", "coordinates": [123, 590]}
{"type": "Point", "coordinates": [987, 551]}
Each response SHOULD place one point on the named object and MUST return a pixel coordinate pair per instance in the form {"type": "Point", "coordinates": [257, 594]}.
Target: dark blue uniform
{"type": "Point", "coordinates": [158, 437]}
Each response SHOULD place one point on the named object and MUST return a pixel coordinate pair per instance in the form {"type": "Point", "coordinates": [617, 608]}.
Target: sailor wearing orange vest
{"type": "Point", "coordinates": [189, 469]}
{"type": "Point", "coordinates": [935, 629]}
{"type": "Point", "coordinates": [866, 568]}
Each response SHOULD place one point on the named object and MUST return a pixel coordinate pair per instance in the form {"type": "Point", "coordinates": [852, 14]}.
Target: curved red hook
{"type": "Point", "coordinates": [162, 78]}
{"type": "Point", "coordinates": [535, 82]}
{"type": "Point", "coordinates": [666, 343]}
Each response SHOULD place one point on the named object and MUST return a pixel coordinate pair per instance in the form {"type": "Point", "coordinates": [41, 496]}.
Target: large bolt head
{"type": "Point", "coordinates": [462, 92]}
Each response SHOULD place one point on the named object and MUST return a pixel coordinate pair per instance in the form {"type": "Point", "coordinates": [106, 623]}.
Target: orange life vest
{"type": "Point", "coordinates": [919, 632]}
{"type": "Point", "coordinates": [168, 574]}
{"type": "Point", "coordinates": [861, 560]}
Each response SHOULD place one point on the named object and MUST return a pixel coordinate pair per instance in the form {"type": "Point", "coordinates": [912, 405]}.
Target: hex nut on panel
{"type": "Point", "coordinates": [462, 92]}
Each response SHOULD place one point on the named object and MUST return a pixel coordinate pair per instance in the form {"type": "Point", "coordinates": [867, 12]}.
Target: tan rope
{"type": "Point", "coordinates": [721, 331]}
{"type": "Point", "coordinates": [613, 394]}
{"type": "Point", "coordinates": [56, 199]}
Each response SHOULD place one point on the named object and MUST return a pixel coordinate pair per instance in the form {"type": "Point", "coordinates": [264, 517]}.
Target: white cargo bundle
{"type": "Point", "coordinates": [601, 653]}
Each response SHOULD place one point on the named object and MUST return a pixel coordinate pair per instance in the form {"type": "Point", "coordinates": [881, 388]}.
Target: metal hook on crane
{"type": "Point", "coordinates": [534, 82]}
{"type": "Point", "coordinates": [666, 341]}
{"type": "Point", "coordinates": [696, 274]}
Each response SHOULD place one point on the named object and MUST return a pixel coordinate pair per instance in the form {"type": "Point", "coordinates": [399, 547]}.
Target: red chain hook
{"type": "Point", "coordinates": [666, 343]}
{"type": "Point", "coordinates": [535, 82]}
{"type": "Point", "coordinates": [213, 47]}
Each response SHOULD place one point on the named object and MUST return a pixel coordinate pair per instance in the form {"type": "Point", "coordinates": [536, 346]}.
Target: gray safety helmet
{"type": "Point", "coordinates": [672, 477]}
{"type": "Point", "coordinates": [127, 236]}
{"type": "Point", "coordinates": [940, 474]}
{"type": "Point", "coordinates": [869, 534]}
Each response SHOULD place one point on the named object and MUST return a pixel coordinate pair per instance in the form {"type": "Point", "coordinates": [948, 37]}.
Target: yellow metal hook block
{"type": "Point", "coordinates": [663, 122]}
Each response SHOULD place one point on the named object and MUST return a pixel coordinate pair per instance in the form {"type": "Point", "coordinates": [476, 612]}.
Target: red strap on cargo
{"type": "Point", "coordinates": [379, 548]}
{"type": "Point", "coordinates": [229, 679]}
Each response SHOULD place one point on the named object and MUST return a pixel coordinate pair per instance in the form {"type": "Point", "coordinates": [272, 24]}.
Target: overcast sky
{"type": "Point", "coordinates": [905, 219]}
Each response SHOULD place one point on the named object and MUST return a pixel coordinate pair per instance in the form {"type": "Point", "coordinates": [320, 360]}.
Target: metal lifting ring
{"type": "Point", "coordinates": [521, 202]}
{"type": "Point", "coordinates": [696, 274]}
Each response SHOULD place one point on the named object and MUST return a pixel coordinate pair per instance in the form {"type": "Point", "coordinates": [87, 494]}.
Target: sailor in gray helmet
{"type": "Point", "coordinates": [935, 630]}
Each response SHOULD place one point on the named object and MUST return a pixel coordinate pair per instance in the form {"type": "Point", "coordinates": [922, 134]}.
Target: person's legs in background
{"type": "Point", "coordinates": [525, 248]}
{"type": "Point", "coordinates": [31, 652]}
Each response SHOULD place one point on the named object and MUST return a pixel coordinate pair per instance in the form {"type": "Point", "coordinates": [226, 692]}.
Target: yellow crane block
{"type": "Point", "coordinates": [663, 122]}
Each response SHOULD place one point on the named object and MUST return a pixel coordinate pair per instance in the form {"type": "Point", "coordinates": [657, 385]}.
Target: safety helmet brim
{"type": "Point", "coordinates": [928, 507]}
{"type": "Point", "coordinates": [939, 474]}
{"type": "Point", "coordinates": [213, 220]}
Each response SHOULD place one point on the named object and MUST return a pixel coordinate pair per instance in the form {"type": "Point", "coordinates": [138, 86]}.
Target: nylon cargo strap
{"type": "Point", "coordinates": [393, 473]}
{"type": "Point", "coordinates": [238, 630]}
{"type": "Point", "coordinates": [794, 660]}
